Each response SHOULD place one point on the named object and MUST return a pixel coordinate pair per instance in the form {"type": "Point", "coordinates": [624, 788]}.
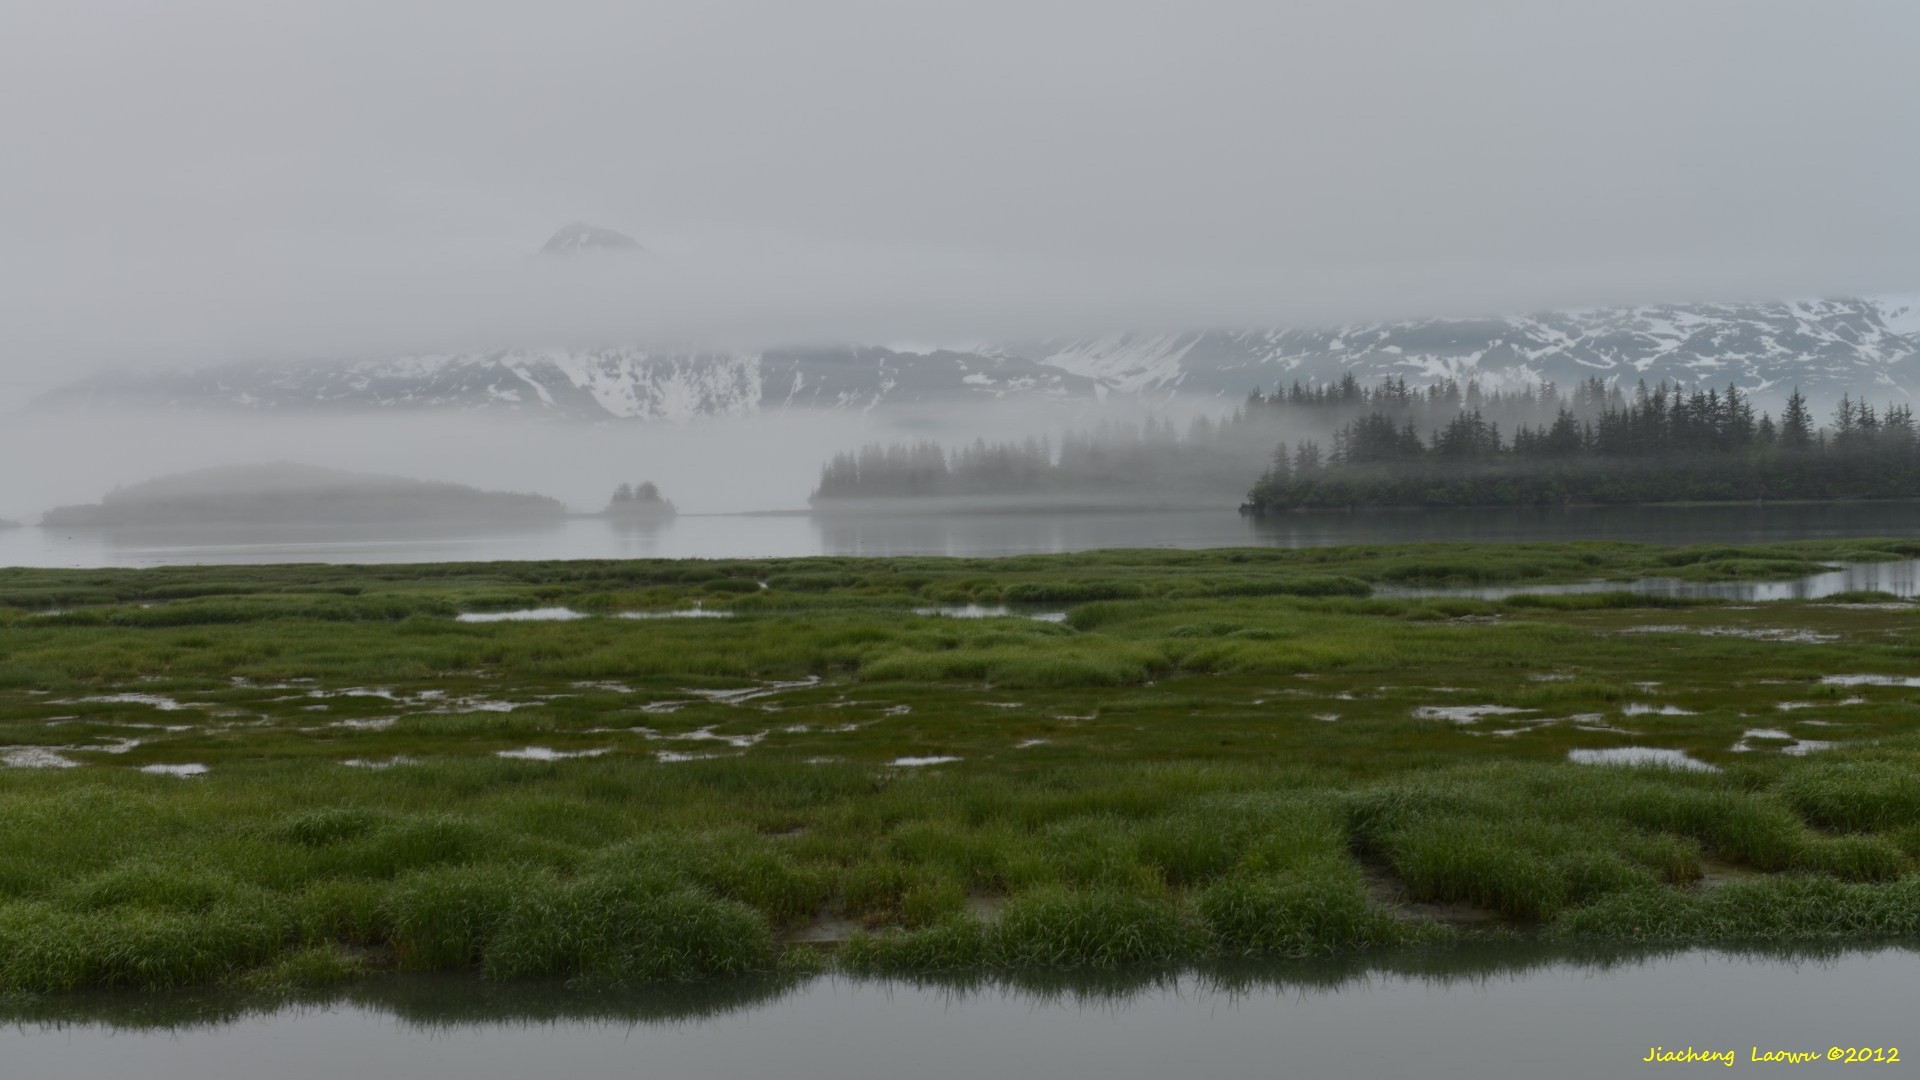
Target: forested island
{"type": "Point", "coordinates": [303, 495]}
{"type": "Point", "coordinates": [641, 501]}
{"type": "Point", "coordinates": [1346, 445]}
{"type": "Point", "coordinates": [1126, 462]}
{"type": "Point", "coordinates": [1444, 447]}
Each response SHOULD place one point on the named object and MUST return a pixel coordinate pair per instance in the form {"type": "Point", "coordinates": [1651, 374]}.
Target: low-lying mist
{"type": "Point", "coordinates": [768, 461]}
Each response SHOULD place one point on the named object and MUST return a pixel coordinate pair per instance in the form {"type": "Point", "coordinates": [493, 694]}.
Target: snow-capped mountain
{"type": "Point", "coordinates": [594, 384]}
{"type": "Point", "coordinates": [1824, 347]}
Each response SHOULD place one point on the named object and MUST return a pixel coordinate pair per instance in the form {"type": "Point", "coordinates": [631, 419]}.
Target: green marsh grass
{"type": "Point", "coordinates": [1217, 754]}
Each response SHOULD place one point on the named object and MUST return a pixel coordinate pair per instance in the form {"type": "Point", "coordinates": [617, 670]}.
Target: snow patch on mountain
{"type": "Point", "coordinates": [1824, 346]}
{"type": "Point", "coordinates": [1900, 314]}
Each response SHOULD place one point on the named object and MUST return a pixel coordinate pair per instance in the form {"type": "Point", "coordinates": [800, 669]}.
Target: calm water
{"type": "Point", "coordinates": [1900, 578]}
{"type": "Point", "coordinates": [977, 534]}
{"type": "Point", "coordinates": [1470, 1015]}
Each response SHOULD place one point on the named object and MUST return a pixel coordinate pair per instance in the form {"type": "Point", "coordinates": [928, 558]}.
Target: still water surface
{"type": "Point", "coordinates": [1900, 577]}
{"type": "Point", "coordinates": [1485, 1014]}
{"type": "Point", "coordinates": [970, 534]}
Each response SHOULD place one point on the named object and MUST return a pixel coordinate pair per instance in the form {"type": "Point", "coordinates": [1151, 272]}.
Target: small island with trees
{"type": "Point", "coordinates": [638, 502]}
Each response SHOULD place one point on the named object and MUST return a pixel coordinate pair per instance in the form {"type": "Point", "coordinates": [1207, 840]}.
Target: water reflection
{"type": "Point", "coordinates": [1513, 1010]}
{"type": "Point", "coordinates": [1746, 523]}
{"type": "Point", "coordinates": [1900, 577]}
{"type": "Point", "coordinates": [782, 535]}
{"type": "Point", "coordinates": [448, 1001]}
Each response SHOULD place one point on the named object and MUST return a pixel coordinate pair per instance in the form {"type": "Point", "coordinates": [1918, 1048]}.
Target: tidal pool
{"type": "Point", "coordinates": [1466, 1014]}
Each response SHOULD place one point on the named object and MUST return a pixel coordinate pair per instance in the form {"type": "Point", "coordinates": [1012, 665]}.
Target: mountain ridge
{"type": "Point", "coordinates": [1824, 347]}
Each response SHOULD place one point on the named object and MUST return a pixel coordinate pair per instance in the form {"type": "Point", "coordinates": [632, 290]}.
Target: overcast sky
{"type": "Point", "coordinates": [202, 180]}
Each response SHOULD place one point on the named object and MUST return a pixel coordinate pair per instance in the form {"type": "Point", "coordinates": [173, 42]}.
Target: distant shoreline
{"type": "Point", "coordinates": [1060, 503]}
{"type": "Point", "coordinates": [1251, 510]}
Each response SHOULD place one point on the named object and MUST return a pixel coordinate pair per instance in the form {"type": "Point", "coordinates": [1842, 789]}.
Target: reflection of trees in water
{"type": "Point", "coordinates": [447, 1002]}
{"type": "Point", "coordinates": [1733, 523]}
{"type": "Point", "coordinates": [964, 528]}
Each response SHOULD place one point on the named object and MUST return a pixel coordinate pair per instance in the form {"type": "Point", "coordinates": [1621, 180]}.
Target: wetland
{"type": "Point", "coordinates": [285, 779]}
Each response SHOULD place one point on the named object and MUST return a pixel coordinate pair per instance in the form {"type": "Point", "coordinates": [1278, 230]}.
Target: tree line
{"type": "Point", "coordinates": [1447, 447]}
{"type": "Point", "coordinates": [1212, 455]}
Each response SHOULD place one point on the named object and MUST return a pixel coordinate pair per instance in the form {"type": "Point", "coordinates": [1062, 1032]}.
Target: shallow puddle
{"type": "Point", "coordinates": [990, 611]}
{"type": "Point", "coordinates": [917, 762]}
{"type": "Point", "coordinates": [1749, 633]}
{"type": "Point", "coordinates": [155, 701]}
{"type": "Point", "coordinates": [36, 757]}
{"type": "Point", "coordinates": [182, 771]}
{"type": "Point", "coordinates": [1774, 739]}
{"type": "Point", "coordinates": [542, 753]}
{"type": "Point", "coordinates": [1641, 708]}
{"type": "Point", "coordinates": [1640, 755]}
{"type": "Point", "coordinates": [707, 734]}
{"type": "Point", "coordinates": [543, 614]}
{"type": "Point", "coordinates": [1792, 706]}
{"type": "Point", "coordinates": [749, 693]}
{"type": "Point", "coordinates": [1908, 681]}
{"type": "Point", "coordinates": [1463, 714]}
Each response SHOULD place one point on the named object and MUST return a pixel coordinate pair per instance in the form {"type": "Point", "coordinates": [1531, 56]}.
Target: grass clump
{"type": "Point", "coordinates": [1298, 916]}
{"type": "Point", "coordinates": [1097, 927]}
{"type": "Point", "coordinates": [444, 918]}
{"type": "Point", "coordinates": [1789, 908]}
{"type": "Point", "coordinates": [629, 928]}
{"type": "Point", "coordinates": [954, 944]}
{"type": "Point", "coordinates": [1855, 796]}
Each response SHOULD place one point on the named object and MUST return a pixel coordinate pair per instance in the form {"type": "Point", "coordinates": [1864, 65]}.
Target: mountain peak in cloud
{"type": "Point", "coordinates": [580, 237]}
